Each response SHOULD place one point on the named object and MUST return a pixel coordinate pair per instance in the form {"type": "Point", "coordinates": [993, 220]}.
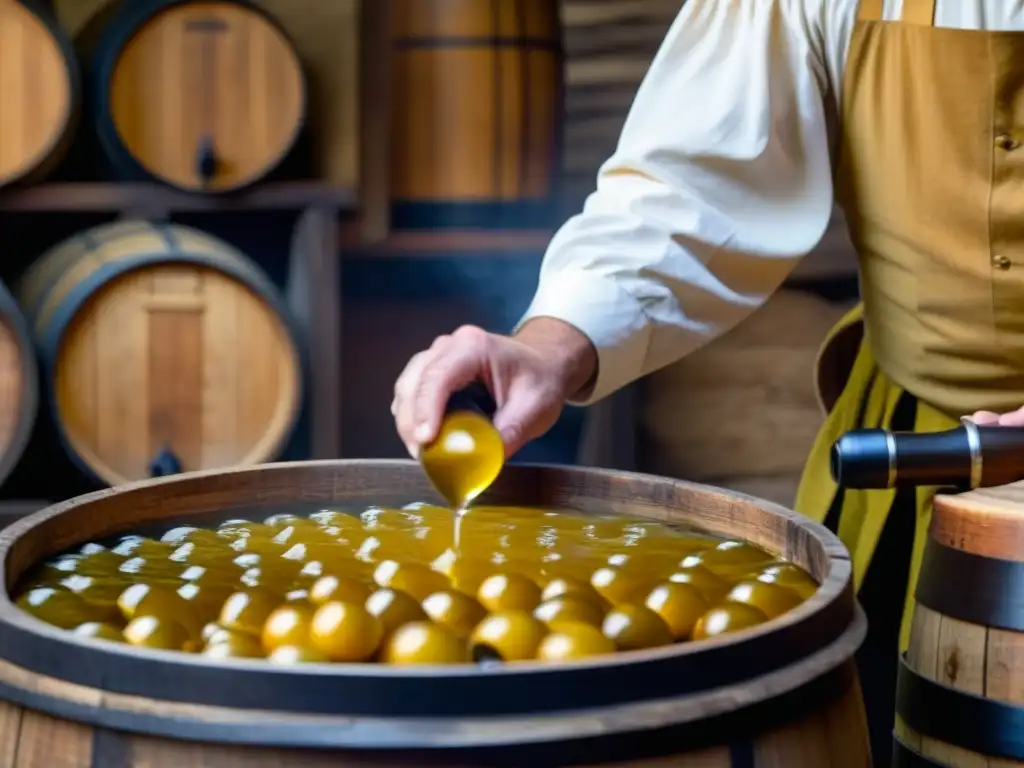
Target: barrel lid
{"type": "Point", "coordinates": [987, 522]}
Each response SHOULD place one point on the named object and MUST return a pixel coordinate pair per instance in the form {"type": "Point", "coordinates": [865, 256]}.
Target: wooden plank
{"type": "Point", "coordinates": [102, 197]}
{"type": "Point", "coordinates": [375, 118]}
{"type": "Point", "coordinates": [314, 296]}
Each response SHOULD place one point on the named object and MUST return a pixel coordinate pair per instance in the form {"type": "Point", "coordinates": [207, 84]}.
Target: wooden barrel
{"type": "Point", "coordinates": [19, 383]}
{"type": "Point", "coordinates": [164, 349]}
{"type": "Point", "coordinates": [960, 701]}
{"type": "Point", "coordinates": [476, 112]}
{"type": "Point", "coordinates": [40, 93]}
{"type": "Point", "coordinates": [782, 694]}
{"type": "Point", "coordinates": [205, 96]}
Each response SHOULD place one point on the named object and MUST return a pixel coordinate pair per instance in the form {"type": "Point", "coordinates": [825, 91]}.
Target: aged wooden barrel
{"type": "Point", "coordinates": [41, 93]}
{"type": "Point", "coordinates": [19, 384]}
{"type": "Point", "coordinates": [781, 694]}
{"type": "Point", "coordinates": [476, 112]}
{"type": "Point", "coordinates": [205, 96]}
{"type": "Point", "coordinates": [164, 349]}
{"type": "Point", "coordinates": [960, 701]}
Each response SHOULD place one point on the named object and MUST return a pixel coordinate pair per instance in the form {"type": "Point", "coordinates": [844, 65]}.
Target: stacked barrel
{"type": "Point", "coordinates": [477, 98]}
{"type": "Point", "coordinates": [160, 348]}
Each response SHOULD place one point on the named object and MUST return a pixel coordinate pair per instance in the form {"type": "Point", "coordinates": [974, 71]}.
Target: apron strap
{"type": "Point", "coordinates": [870, 10]}
{"type": "Point", "coordinates": [920, 12]}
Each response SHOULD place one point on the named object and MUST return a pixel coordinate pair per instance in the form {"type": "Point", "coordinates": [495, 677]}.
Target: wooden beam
{"type": "Point", "coordinates": [105, 197]}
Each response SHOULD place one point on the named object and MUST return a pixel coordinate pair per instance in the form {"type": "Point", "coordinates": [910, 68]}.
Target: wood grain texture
{"type": "Point", "coordinates": [39, 97]}
{"type": "Point", "coordinates": [214, 75]}
{"type": "Point", "coordinates": [711, 415]}
{"type": "Point", "coordinates": [174, 350]}
{"type": "Point", "coordinates": [986, 522]}
{"type": "Point", "coordinates": [823, 738]}
{"type": "Point", "coordinates": [476, 96]}
{"type": "Point", "coordinates": [609, 45]}
{"type": "Point", "coordinates": [793, 655]}
{"type": "Point", "coordinates": [326, 37]}
{"type": "Point", "coordinates": [973, 658]}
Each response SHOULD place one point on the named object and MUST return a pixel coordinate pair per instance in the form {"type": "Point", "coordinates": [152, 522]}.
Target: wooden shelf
{"type": "Point", "coordinates": [466, 243]}
{"type": "Point", "coordinates": [833, 259]}
{"type": "Point", "coordinates": [104, 197]}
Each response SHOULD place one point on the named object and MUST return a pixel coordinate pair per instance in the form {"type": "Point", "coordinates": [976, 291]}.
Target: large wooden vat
{"type": "Point", "coordinates": [960, 701]}
{"type": "Point", "coordinates": [476, 112]}
{"type": "Point", "coordinates": [782, 694]}
{"type": "Point", "coordinates": [164, 348]}
{"type": "Point", "coordinates": [202, 95]}
{"type": "Point", "coordinates": [19, 384]}
{"type": "Point", "coordinates": [40, 92]}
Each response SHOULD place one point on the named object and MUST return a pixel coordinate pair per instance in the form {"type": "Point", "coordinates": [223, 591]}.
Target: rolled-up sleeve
{"type": "Point", "coordinates": [720, 184]}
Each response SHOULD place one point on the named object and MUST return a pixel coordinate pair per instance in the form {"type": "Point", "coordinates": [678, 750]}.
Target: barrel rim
{"type": "Point", "coordinates": [711, 717]}
{"type": "Point", "coordinates": [116, 35]}
{"type": "Point", "coordinates": [366, 689]}
{"type": "Point", "coordinates": [52, 152]}
{"type": "Point", "coordinates": [29, 396]}
{"type": "Point", "coordinates": [983, 522]}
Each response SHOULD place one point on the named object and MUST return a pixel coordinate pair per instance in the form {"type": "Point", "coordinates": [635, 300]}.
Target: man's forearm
{"type": "Point", "coordinates": [567, 348]}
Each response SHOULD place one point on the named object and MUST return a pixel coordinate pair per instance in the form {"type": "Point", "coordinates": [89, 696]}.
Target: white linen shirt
{"type": "Point", "coordinates": [721, 181]}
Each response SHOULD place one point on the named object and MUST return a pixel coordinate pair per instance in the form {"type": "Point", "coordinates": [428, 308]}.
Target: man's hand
{"type": "Point", "coordinates": [990, 419]}
{"type": "Point", "coordinates": [529, 375]}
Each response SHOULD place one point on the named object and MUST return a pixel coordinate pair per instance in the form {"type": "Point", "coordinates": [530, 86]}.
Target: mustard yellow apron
{"type": "Point", "coordinates": [930, 174]}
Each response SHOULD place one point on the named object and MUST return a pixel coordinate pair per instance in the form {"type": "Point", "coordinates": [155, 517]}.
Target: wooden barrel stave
{"type": "Point", "coordinates": [477, 100]}
{"type": "Point", "coordinates": [19, 384]}
{"type": "Point", "coordinates": [821, 738]}
{"type": "Point", "coordinates": [155, 118]}
{"type": "Point", "coordinates": [961, 694]}
{"type": "Point", "coordinates": [691, 704]}
{"type": "Point", "coordinates": [40, 102]}
{"type": "Point", "coordinates": [192, 305]}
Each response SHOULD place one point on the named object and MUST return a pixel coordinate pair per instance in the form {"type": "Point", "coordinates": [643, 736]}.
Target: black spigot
{"type": "Point", "coordinates": [164, 463]}
{"type": "Point", "coordinates": [206, 160]}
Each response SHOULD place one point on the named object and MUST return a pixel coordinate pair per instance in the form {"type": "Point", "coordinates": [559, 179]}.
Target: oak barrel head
{"type": "Point", "coordinates": [165, 350]}
{"type": "Point", "coordinates": [220, 112]}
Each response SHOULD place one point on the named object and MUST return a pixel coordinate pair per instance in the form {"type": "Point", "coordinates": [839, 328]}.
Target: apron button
{"type": "Point", "coordinates": [1007, 142]}
{"type": "Point", "coordinates": [1000, 262]}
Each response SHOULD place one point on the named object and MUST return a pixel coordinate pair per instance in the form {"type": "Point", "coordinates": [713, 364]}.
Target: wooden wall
{"type": "Point", "coordinates": [609, 45]}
